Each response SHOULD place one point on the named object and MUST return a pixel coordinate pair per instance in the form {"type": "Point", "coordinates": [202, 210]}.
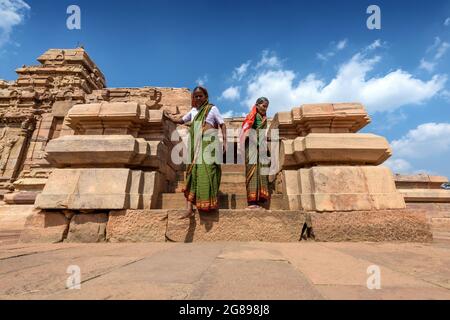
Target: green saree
{"type": "Point", "coordinates": [202, 177]}
{"type": "Point", "coordinates": [257, 184]}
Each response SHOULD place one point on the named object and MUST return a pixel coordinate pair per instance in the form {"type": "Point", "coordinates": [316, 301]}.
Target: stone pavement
{"type": "Point", "coordinates": [225, 270]}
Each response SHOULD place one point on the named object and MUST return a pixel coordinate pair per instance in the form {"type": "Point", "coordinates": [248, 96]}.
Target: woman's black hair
{"type": "Point", "coordinates": [262, 100]}
{"type": "Point", "coordinates": [201, 89]}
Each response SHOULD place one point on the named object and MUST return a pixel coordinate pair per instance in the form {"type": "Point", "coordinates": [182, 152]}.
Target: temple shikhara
{"type": "Point", "coordinates": [81, 162]}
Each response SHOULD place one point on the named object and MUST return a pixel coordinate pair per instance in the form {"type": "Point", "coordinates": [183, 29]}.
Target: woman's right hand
{"type": "Point", "coordinates": [168, 115]}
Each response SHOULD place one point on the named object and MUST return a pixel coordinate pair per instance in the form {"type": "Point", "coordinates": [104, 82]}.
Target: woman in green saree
{"type": "Point", "coordinates": [256, 171]}
{"type": "Point", "coordinates": [203, 172]}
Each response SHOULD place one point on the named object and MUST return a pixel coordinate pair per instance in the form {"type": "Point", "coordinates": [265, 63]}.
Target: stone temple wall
{"type": "Point", "coordinates": [33, 112]}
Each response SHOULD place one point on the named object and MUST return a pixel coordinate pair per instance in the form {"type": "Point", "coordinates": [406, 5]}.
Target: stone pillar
{"type": "Point", "coordinates": [107, 165]}
{"type": "Point", "coordinates": [328, 166]}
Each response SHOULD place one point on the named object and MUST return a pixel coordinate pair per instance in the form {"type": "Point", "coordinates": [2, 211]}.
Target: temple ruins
{"type": "Point", "coordinates": [81, 162]}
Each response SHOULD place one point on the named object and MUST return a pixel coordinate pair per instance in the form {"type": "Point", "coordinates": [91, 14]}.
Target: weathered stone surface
{"type": "Point", "coordinates": [422, 188]}
{"type": "Point", "coordinates": [108, 118]}
{"type": "Point", "coordinates": [79, 189]}
{"type": "Point", "coordinates": [376, 226]}
{"type": "Point", "coordinates": [12, 221]}
{"type": "Point", "coordinates": [99, 150]}
{"type": "Point", "coordinates": [425, 195]}
{"type": "Point", "coordinates": [341, 188]}
{"type": "Point", "coordinates": [45, 227]}
{"type": "Point", "coordinates": [22, 197]}
{"type": "Point", "coordinates": [137, 226]}
{"type": "Point", "coordinates": [424, 179]}
{"type": "Point", "coordinates": [88, 228]}
{"type": "Point", "coordinates": [338, 148]}
{"type": "Point", "coordinates": [321, 118]}
{"type": "Point", "coordinates": [438, 215]}
{"type": "Point", "coordinates": [236, 225]}
{"type": "Point", "coordinates": [226, 200]}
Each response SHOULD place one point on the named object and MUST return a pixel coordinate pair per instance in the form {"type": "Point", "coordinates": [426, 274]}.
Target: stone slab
{"type": "Point", "coordinates": [80, 189]}
{"type": "Point", "coordinates": [321, 118]}
{"type": "Point", "coordinates": [137, 226]}
{"type": "Point", "coordinates": [88, 228]}
{"type": "Point", "coordinates": [226, 271]}
{"type": "Point", "coordinates": [376, 226]}
{"type": "Point", "coordinates": [96, 150]}
{"type": "Point", "coordinates": [341, 188]}
{"type": "Point", "coordinates": [236, 225]}
{"type": "Point", "coordinates": [334, 148]}
{"type": "Point", "coordinates": [426, 195]}
{"type": "Point", "coordinates": [45, 227]}
{"type": "Point", "coordinates": [22, 197]}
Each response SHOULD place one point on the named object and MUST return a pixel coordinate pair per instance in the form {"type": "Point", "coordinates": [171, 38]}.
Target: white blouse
{"type": "Point", "coordinates": [214, 117]}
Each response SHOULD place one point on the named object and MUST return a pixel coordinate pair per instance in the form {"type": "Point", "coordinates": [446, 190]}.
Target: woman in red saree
{"type": "Point", "coordinates": [257, 179]}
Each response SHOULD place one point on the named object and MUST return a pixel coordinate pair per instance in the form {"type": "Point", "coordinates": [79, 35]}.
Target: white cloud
{"type": "Point", "coordinates": [202, 80]}
{"type": "Point", "coordinates": [425, 146]}
{"type": "Point", "coordinates": [228, 114]}
{"type": "Point", "coordinates": [425, 140]}
{"type": "Point", "coordinates": [442, 50]}
{"type": "Point", "coordinates": [269, 59]}
{"type": "Point", "coordinates": [12, 13]}
{"type": "Point", "coordinates": [446, 95]}
{"type": "Point", "coordinates": [374, 45]}
{"type": "Point", "coordinates": [426, 65]}
{"type": "Point", "coordinates": [232, 94]}
{"type": "Point", "coordinates": [240, 71]}
{"type": "Point", "coordinates": [322, 57]}
{"type": "Point", "coordinates": [447, 22]}
{"type": "Point", "coordinates": [341, 44]}
{"type": "Point", "coordinates": [351, 83]}
{"type": "Point", "coordinates": [438, 49]}
{"type": "Point", "coordinates": [399, 166]}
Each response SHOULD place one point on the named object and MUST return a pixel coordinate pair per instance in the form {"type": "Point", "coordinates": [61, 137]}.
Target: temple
{"type": "Point", "coordinates": [81, 162]}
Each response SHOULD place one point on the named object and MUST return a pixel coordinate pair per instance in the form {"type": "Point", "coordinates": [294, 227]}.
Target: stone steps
{"type": "Point", "coordinates": [226, 201]}
{"type": "Point", "coordinates": [225, 187]}
{"type": "Point", "coordinates": [232, 180]}
{"type": "Point", "coordinates": [9, 236]}
{"type": "Point", "coordinates": [239, 168]}
{"type": "Point", "coordinates": [223, 225]}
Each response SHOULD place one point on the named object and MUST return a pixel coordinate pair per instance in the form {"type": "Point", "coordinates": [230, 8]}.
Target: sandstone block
{"type": "Point", "coordinates": [338, 148]}
{"type": "Point", "coordinates": [321, 118]}
{"type": "Point", "coordinates": [21, 197]}
{"type": "Point", "coordinates": [341, 188]}
{"type": "Point", "coordinates": [88, 228]}
{"type": "Point", "coordinates": [419, 181]}
{"type": "Point", "coordinates": [236, 225]}
{"type": "Point", "coordinates": [98, 150]}
{"type": "Point", "coordinates": [425, 195]}
{"type": "Point", "coordinates": [45, 227]}
{"type": "Point", "coordinates": [137, 226]}
{"type": "Point", "coordinates": [79, 189]}
{"type": "Point", "coordinates": [376, 226]}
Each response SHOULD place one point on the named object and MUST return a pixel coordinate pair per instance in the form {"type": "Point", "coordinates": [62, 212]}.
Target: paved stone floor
{"type": "Point", "coordinates": [305, 270]}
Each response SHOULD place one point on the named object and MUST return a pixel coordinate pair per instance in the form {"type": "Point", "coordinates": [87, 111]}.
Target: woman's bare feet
{"type": "Point", "coordinates": [188, 214]}
{"type": "Point", "coordinates": [253, 207]}
{"type": "Point", "coordinates": [189, 211]}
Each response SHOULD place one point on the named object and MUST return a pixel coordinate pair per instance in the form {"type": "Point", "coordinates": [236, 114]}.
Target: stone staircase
{"type": "Point", "coordinates": [232, 192]}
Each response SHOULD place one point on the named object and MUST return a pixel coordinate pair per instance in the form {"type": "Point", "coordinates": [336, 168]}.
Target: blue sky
{"type": "Point", "coordinates": [293, 52]}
